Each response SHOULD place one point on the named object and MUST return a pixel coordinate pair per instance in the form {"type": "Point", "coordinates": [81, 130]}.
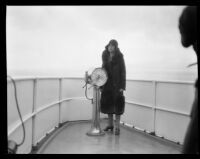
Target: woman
{"type": "Point", "coordinates": [112, 98]}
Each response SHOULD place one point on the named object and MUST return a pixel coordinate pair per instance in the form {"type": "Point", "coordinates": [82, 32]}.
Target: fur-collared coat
{"type": "Point", "coordinates": [112, 100]}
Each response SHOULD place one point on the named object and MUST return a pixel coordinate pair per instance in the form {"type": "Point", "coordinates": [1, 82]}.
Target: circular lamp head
{"type": "Point", "coordinates": [99, 77]}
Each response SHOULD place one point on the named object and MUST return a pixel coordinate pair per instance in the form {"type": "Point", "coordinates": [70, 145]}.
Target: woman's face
{"type": "Point", "coordinates": [111, 48]}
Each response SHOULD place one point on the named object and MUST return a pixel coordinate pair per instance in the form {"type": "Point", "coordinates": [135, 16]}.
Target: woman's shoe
{"type": "Point", "coordinates": [117, 131]}
{"type": "Point", "coordinates": [108, 128]}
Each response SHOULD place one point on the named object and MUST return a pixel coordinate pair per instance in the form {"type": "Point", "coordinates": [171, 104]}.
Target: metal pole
{"type": "Point", "coordinates": [60, 97]}
{"type": "Point", "coordinates": [95, 128]}
{"type": "Point", "coordinates": [154, 107]}
{"type": "Point", "coordinates": [33, 111]}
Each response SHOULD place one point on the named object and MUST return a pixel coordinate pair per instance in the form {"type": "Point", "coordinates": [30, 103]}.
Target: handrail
{"type": "Point", "coordinates": [140, 80]}
{"type": "Point", "coordinates": [18, 123]}
{"type": "Point", "coordinates": [162, 81]}
{"type": "Point", "coordinates": [173, 111]}
{"type": "Point", "coordinates": [139, 104]}
{"type": "Point", "coordinates": [29, 116]}
{"type": "Point", "coordinates": [42, 78]}
{"type": "Point", "coordinates": [158, 108]}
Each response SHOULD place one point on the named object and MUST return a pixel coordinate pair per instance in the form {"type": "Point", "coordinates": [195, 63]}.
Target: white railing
{"type": "Point", "coordinates": [45, 102]}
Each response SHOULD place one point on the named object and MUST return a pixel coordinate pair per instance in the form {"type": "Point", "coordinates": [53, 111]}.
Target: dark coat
{"type": "Point", "coordinates": [112, 101]}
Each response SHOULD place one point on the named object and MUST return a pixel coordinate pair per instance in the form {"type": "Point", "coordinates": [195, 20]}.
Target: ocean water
{"type": "Point", "coordinates": [177, 75]}
{"type": "Point", "coordinates": [173, 75]}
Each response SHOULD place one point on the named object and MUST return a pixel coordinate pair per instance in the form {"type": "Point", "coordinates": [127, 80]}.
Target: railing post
{"type": "Point", "coordinates": [33, 111]}
{"type": "Point", "coordinates": [154, 108]}
{"type": "Point", "coordinates": [60, 97]}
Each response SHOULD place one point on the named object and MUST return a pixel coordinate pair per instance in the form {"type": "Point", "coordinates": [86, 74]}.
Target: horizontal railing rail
{"type": "Point", "coordinates": [29, 116]}
{"type": "Point", "coordinates": [60, 77]}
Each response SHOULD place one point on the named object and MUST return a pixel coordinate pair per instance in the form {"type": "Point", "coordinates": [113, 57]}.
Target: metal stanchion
{"type": "Point", "coordinates": [95, 128]}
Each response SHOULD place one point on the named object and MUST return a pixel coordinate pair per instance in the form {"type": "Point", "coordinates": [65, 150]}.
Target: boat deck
{"type": "Point", "coordinates": [71, 138]}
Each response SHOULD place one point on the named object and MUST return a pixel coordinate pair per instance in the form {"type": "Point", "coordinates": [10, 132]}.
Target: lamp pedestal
{"type": "Point", "coordinates": [95, 128]}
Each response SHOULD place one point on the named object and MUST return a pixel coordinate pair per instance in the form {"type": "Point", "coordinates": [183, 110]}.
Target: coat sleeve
{"type": "Point", "coordinates": [123, 74]}
{"type": "Point", "coordinates": [103, 59]}
{"type": "Point", "coordinates": [103, 64]}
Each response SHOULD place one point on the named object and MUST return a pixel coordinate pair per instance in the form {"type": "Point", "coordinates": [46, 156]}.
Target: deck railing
{"type": "Point", "coordinates": [160, 107]}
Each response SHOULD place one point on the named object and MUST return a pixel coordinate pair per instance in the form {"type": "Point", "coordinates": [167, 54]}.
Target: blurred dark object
{"type": "Point", "coordinates": [188, 26]}
{"type": "Point", "coordinates": [12, 147]}
{"type": "Point", "coordinates": [188, 30]}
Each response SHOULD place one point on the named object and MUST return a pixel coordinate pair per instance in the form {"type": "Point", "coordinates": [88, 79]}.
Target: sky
{"type": "Point", "coordinates": [69, 40]}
